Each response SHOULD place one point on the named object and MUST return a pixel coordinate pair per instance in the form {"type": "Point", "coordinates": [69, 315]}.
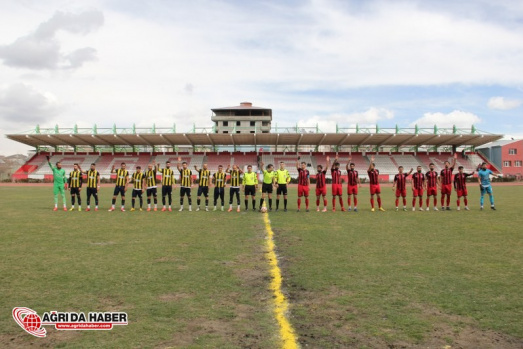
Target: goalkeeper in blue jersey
{"type": "Point", "coordinates": [59, 183]}
{"type": "Point", "coordinates": [485, 186]}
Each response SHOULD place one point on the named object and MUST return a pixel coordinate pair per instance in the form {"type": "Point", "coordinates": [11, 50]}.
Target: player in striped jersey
{"type": "Point", "coordinates": [151, 185]}
{"type": "Point", "coordinates": [250, 186]}
{"type": "Point", "coordinates": [432, 186]}
{"type": "Point", "coordinates": [75, 186]}
{"type": "Point", "coordinates": [138, 179]}
{"type": "Point", "coordinates": [460, 185]}
{"type": "Point", "coordinates": [304, 181]}
{"type": "Point", "coordinates": [167, 184]}
{"type": "Point", "coordinates": [418, 184]}
{"type": "Point", "coordinates": [186, 183]}
{"type": "Point", "coordinates": [93, 184]}
{"type": "Point", "coordinates": [353, 184]}
{"type": "Point", "coordinates": [269, 181]}
{"type": "Point", "coordinates": [400, 185]}
{"type": "Point", "coordinates": [122, 180]}
{"type": "Point", "coordinates": [336, 185]}
{"type": "Point", "coordinates": [445, 180]}
{"type": "Point", "coordinates": [219, 186]}
{"type": "Point", "coordinates": [235, 174]}
{"type": "Point", "coordinates": [375, 188]}
{"type": "Point", "coordinates": [282, 179]}
{"type": "Point", "coordinates": [204, 178]}
{"type": "Point", "coordinates": [321, 186]}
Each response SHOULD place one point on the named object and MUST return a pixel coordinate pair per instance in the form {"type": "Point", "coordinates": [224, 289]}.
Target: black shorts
{"type": "Point", "coordinates": [119, 190]}
{"type": "Point", "coordinates": [92, 191]}
{"type": "Point", "coordinates": [219, 191]}
{"type": "Point", "coordinates": [250, 190]}
{"type": "Point", "coordinates": [152, 191]}
{"type": "Point", "coordinates": [185, 191]}
{"type": "Point", "coordinates": [282, 189]}
{"type": "Point", "coordinates": [266, 188]}
{"type": "Point", "coordinates": [203, 190]}
{"type": "Point", "coordinates": [167, 190]}
{"type": "Point", "coordinates": [75, 191]}
{"type": "Point", "coordinates": [137, 192]}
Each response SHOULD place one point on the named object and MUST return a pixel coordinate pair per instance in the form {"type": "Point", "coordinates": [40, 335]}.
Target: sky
{"type": "Point", "coordinates": [317, 62]}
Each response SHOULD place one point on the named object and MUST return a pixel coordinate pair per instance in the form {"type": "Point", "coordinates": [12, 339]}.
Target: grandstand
{"type": "Point", "coordinates": [139, 147]}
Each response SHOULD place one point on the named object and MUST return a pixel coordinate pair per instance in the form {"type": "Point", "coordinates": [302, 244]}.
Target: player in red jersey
{"type": "Point", "coordinates": [418, 183]}
{"type": "Point", "coordinates": [321, 186]}
{"type": "Point", "coordinates": [400, 185]}
{"type": "Point", "coordinates": [336, 184]}
{"type": "Point", "coordinates": [445, 180]}
{"type": "Point", "coordinates": [353, 184]}
{"type": "Point", "coordinates": [303, 183]}
{"type": "Point", "coordinates": [460, 185]}
{"type": "Point", "coordinates": [374, 184]}
{"type": "Point", "coordinates": [432, 186]}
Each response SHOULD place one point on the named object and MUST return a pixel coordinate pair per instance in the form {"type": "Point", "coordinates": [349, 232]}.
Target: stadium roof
{"type": "Point", "coordinates": [268, 139]}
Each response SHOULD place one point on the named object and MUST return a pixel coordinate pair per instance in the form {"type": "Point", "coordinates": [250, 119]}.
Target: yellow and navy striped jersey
{"type": "Point", "coordinates": [75, 179]}
{"type": "Point", "coordinates": [92, 178]}
{"type": "Point", "coordinates": [219, 179]}
{"type": "Point", "coordinates": [150, 177]}
{"type": "Point", "coordinates": [250, 178]}
{"type": "Point", "coordinates": [283, 176]}
{"type": "Point", "coordinates": [121, 177]}
{"type": "Point", "coordinates": [268, 177]}
{"type": "Point", "coordinates": [138, 180]}
{"type": "Point", "coordinates": [204, 177]}
{"type": "Point", "coordinates": [185, 178]}
{"type": "Point", "coordinates": [167, 176]}
{"type": "Point", "coordinates": [235, 178]}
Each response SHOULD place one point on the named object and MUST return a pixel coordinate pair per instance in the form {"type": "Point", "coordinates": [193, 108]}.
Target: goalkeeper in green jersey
{"type": "Point", "coordinates": [59, 183]}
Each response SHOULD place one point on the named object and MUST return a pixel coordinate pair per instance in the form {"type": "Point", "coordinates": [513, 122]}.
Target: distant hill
{"type": "Point", "coordinates": [9, 164]}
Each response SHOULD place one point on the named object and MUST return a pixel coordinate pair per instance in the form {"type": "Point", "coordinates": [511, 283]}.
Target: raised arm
{"type": "Point", "coordinates": [178, 165]}
{"type": "Point", "coordinates": [371, 162]}
{"type": "Point", "coordinates": [328, 159]}
{"type": "Point", "coordinates": [410, 172]}
{"type": "Point", "coordinates": [454, 160]}
{"type": "Point", "coordinates": [113, 169]}
{"type": "Point", "coordinates": [196, 168]}
{"type": "Point", "coordinates": [348, 163]}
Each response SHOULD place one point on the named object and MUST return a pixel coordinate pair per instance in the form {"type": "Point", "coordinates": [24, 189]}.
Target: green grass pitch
{"type": "Point", "coordinates": [199, 279]}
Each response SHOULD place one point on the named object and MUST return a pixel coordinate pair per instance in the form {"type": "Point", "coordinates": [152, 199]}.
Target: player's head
{"type": "Point", "coordinates": [184, 165]}
{"type": "Point", "coordinates": [75, 166]}
{"type": "Point", "coordinates": [447, 164]}
{"type": "Point", "coordinates": [58, 165]}
{"type": "Point", "coordinates": [122, 165]}
{"type": "Point", "coordinates": [168, 164]}
{"type": "Point", "coordinates": [372, 166]}
{"type": "Point", "coordinates": [204, 166]}
{"type": "Point", "coordinates": [235, 167]}
{"type": "Point", "coordinates": [282, 165]}
{"type": "Point", "coordinates": [352, 165]}
{"type": "Point", "coordinates": [249, 168]}
{"type": "Point", "coordinates": [419, 169]}
{"type": "Point", "coordinates": [303, 165]}
{"type": "Point", "coordinates": [400, 169]}
{"type": "Point", "coordinates": [93, 166]}
{"type": "Point", "coordinates": [484, 165]}
{"type": "Point", "coordinates": [220, 168]}
{"type": "Point", "coordinates": [336, 165]}
{"type": "Point", "coordinates": [460, 169]}
{"type": "Point", "coordinates": [138, 169]}
{"type": "Point", "coordinates": [319, 168]}
{"type": "Point", "coordinates": [150, 167]}
{"type": "Point", "coordinates": [431, 166]}
{"type": "Point", "coordinates": [270, 167]}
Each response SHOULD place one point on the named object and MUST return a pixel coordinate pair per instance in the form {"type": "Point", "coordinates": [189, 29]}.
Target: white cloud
{"type": "Point", "coordinates": [327, 123]}
{"type": "Point", "coordinates": [41, 49]}
{"type": "Point", "coordinates": [458, 118]}
{"type": "Point", "coordinates": [22, 104]}
{"type": "Point", "coordinates": [502, 103]}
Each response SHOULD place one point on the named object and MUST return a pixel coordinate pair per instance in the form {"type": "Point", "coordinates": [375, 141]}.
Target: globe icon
{"type": "Point", "coordinates": [32, 322]}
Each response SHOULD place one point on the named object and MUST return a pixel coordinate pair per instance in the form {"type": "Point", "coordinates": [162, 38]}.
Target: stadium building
{"type": "Point", "coordinates": [243, 135]}
{"type": "Point", "coordinates": [505, 155]}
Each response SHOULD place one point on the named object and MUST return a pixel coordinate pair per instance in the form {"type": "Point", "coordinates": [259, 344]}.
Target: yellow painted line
{"type": "Point", "coordinates": [281, 305]}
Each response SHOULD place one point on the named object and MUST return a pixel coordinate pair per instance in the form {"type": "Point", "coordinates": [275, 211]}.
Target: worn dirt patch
{"type": "Point", "coordinates": [173, 297]}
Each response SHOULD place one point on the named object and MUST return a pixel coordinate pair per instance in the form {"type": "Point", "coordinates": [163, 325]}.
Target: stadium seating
{"type": "Point", "coordinates": [67, 160]}
{"type": "Point", "coordinates": [408, 161]}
